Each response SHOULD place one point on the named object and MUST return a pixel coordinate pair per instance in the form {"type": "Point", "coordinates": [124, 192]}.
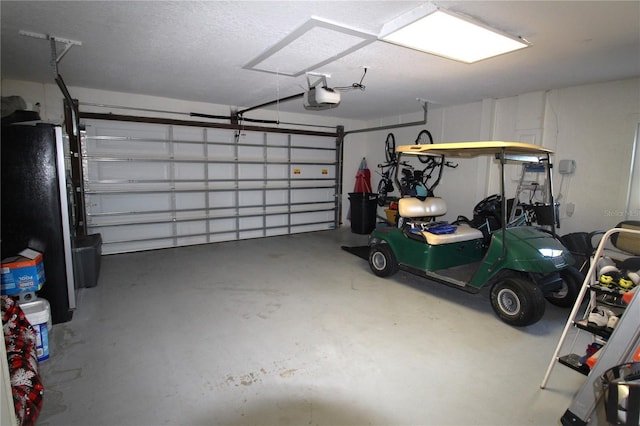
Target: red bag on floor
{"type": "Point", "coordinates": [20, 340]}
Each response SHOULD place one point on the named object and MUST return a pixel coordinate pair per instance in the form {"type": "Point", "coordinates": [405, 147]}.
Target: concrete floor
{"type": "Point", "coordinates": [289, 331]}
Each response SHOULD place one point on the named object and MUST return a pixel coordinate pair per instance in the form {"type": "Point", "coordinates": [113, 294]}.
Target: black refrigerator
{"type": "Point", "coordinates": [35, 208]}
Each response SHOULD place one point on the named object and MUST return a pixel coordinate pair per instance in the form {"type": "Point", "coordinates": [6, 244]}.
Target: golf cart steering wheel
{"type": "Point", "coordinates": [488, 205]}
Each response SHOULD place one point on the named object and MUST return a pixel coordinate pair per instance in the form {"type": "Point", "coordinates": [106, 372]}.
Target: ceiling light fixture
{"type": "Point", "coordinates": [312, 45]}
{"type": "Point", "coordinates": [431, 29]}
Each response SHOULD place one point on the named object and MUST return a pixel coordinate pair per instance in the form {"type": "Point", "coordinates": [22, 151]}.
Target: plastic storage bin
{"type": "Point", "coordinates": [87, 250]}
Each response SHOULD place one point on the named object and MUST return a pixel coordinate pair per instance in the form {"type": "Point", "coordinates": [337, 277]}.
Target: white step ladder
{"type": "Point", "coordinates": [620, 347]}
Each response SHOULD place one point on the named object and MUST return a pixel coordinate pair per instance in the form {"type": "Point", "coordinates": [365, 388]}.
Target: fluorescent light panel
{"type": "Point", "coordinates": [445, 34]}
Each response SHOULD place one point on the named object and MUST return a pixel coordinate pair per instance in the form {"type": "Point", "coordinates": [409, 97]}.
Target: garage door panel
{"type": "Point", "coordinates": [277, 139]}
{"type": "Point", "coordinates": [221, 152]}
{"type": "Point", "coordinates": [109, 203]}
{"type": "Point", "coordinates": [117, 170]}
{"type": "Point", "coordinates": [250, 138]}
{"type": "Point", "coordinates": [310, 195]}
{"type": "Point", "coordinates": [220, 199]}
{"type": "Point", "coordinates": [189, 134]}
{"type": "Point", "coordinates": [250, 198]}
{"type": "Point", "coordinates": [277, 220]}
{"type": "Point", "coordinates": [220, 172]}
{"type": "Point", "coordinates": [139, 231]}
{"type": "Point", "coordinates": [191, 228]}
{"type": "Point", "coordinates": [188, 150]}
{"type": "Point", "coordinates": [311, 141]}
{"type": "Point", "coordinates": [251, 171]}
{"type": "Point", "coordinates": [191, 200]}
{"type": "Point", "coordinates": [277, 171]}
{"type": "Point", "coordinates": [223, 225]}
{"type": "Point", "coordinates": [280, 196]}
{"type": "Point", "coordinates": [220, 135]}
{"type": "Point", "coordinates": [251, 153]}
{"type": "Point", "coordinates": [304, 218]}
{"type": "Point", "coordinates": [154, 186]}
{"type": "Point", "coordinates": [189, 171]}
{"type": "Point", "coordinates": [277, 153]}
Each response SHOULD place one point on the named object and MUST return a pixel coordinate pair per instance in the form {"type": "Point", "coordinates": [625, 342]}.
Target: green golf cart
{"type": "Point", "coordinates": [524, 265]}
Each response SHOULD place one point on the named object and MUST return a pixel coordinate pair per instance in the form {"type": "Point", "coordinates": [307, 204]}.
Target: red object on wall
{"type": "Point", "coordinates": [363, 178]}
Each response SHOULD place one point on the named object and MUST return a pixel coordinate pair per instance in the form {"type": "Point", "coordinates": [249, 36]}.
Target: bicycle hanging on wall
{"type": "Point", "coordinates": [413, 181]}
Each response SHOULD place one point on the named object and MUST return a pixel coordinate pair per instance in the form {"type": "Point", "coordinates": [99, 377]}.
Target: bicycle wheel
{"type": "Point", "coordinates": [424, 137]}
{"type": "Point", "coordinates": [390, 148]}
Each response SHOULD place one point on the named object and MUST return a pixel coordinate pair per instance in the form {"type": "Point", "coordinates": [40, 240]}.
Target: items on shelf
{"type": "Point", "coordinates": [603, 317]}
{"type": "Point", "coordinates": [621, 276]}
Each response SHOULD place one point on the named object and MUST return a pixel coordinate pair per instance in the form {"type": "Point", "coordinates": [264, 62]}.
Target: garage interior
{"type": "Point", "coordinates": [221, 194]}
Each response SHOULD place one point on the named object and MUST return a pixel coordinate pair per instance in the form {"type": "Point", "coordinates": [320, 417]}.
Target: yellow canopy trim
{"type": "Point", "coordinates": [474, 149]}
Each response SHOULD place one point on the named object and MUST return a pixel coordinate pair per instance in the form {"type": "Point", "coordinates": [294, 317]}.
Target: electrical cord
{"type": "Point", "coordinates": [358, 85]}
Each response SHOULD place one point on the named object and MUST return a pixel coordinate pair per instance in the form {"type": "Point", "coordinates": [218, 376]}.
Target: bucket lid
{"type": "Point", "coordinates": [37, 311]}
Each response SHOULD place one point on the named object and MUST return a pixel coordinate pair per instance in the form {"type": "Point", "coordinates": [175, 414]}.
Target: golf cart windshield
{"type": "Point", "coordinates": [505, 152]}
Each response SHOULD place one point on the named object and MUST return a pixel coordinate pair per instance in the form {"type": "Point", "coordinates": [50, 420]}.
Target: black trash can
{"type": "Point", "coordinates": [87, 250]}
{"type": "Point", "coordinates": [364, 206]}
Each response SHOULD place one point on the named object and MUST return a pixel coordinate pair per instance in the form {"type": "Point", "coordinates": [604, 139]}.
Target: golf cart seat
{"type": "Point", "coordinates": [627, 244]}
{"type": "Point", "coordinates": [429, 208]}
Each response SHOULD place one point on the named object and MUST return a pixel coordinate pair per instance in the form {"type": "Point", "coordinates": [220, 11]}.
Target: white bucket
{"type": "Point", "coordinates": [38, 313]}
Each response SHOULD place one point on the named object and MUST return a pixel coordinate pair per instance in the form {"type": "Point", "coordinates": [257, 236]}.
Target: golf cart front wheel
{"type": "Point", "coordinates": [517, 302]}
{"type": "Point", "coordinates": [566, 296]}
{"type": "Point", "coordinates": [382, 261]}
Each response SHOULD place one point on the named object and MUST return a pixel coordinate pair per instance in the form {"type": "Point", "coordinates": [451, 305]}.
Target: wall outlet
{"type": "Point", "coordinates": [566, 167]}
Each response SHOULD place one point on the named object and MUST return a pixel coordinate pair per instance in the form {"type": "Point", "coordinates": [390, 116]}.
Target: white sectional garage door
{"type": "Point", "coordinates": [150, 186]}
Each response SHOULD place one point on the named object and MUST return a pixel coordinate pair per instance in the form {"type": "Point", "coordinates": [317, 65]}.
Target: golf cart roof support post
{"type": "Point", "coordinates": [396, 172]}
{"type": "Point", "coordinates": [503, 162]}
{"type": "Point", "coordinates": [556, 220]}
{"type": "Point", "coordinates": [340, 161]}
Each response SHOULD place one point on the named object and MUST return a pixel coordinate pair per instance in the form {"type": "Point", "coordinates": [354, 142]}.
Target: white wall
{"type": "Point", "coordinates": [592, 124]}
{"type": "Point", "coordinates": [595, 126]}
{"type": "Point", "coordinates": [461, 187]}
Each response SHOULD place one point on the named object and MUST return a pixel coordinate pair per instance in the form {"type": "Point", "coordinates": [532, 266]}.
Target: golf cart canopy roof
{"type": "Point", "coordinates": [512, 150]}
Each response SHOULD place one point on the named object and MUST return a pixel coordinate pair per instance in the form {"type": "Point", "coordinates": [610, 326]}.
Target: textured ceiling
{"type": "Point", "coordinates": [199, 50]}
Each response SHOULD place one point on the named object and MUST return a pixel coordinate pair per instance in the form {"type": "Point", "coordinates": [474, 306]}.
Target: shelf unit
{"type": "Point", "coordinates": [619, 344]}
{"type": "Point", "coordinates": [154, 186]}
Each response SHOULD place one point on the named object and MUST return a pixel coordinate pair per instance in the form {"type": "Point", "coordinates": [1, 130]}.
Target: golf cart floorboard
{"type": "Point", "coordinates": [457, 276]}
{"type": "Point", "coordinates": [462, 273]}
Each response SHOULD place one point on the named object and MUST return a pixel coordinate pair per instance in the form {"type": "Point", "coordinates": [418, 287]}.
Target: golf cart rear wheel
{"type": "Point", "coordinates": [566, 296]}
{"type": "Point", "coordinates": [517, 302]}
{"type": "Point", "coordinates": [382, 261]}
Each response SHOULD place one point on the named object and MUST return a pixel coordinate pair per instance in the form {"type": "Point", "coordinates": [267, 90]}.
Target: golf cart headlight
{"type": "Point", "coordinates": [547, 252]}
{"type": "Point", "coordinates": [555, 255]}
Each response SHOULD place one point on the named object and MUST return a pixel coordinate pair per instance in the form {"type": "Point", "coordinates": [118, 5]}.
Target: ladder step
{"type": "Point", "coordinates": [573, 361]}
